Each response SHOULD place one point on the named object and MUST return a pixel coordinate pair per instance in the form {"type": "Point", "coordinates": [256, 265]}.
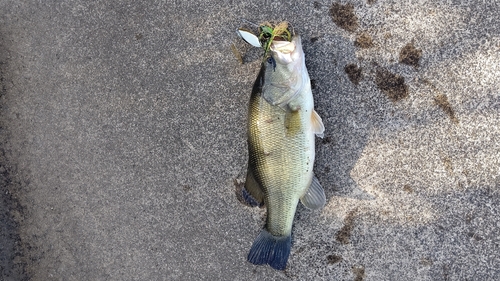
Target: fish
{"type": "Point", "coordinates": [281, 129]}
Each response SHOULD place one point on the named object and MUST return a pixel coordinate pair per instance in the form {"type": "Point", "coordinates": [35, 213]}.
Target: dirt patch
{"type": "Point", "coordinates": [426, 262]}
{"type": "Point", "coordinates": [344, 16]}
{"type": "Point", "coordinates": [442, 101]}
{"type": "Point", "coordinates": [333, 259]}
{"type": "Point", "coordinates": [407, 188]}
{"type": "Point", "coordinates": [474, 235]}
{"type": "Point", "coordinates": [447, 164]}
{"type": "Point", "coordinates": [236, 53]}
{"type": "Point", "coordinates": [364, 41]}
{"type": "Point", "coordinates": [353, 72]}
{"type": "Point", "coordinates": [327, 140]}
{"type": "Point", "coordinates": [410, 55]}
{"type": "Point", "coordinates": [359, 272]}
{"type": "Point", "coordinates": [393, 85]}
{"type": "Point", "coordinates": [344, 234]}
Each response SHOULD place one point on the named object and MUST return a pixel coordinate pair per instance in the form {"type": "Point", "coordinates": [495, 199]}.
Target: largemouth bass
{"type": "Point", "coordinates": [282, 125]}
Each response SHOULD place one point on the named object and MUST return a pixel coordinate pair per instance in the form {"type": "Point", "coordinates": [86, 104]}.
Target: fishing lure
{"type": "Point", "coordinates": [267, 34]}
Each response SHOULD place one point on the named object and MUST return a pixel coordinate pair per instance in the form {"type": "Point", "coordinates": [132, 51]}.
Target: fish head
{"type": "Point", "coordinates": [286, 74]}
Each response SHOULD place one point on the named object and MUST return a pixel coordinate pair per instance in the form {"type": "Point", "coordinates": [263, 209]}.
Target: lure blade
{"type": "Point", "coordinates": [249, 37]}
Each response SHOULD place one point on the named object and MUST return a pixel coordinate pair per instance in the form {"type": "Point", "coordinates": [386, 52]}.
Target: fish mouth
{"type": "Point", "coordinates": [285, 52]}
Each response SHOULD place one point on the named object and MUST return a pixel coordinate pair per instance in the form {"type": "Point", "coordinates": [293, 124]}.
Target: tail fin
{"type": "Point", "coordinates": [270, 249]}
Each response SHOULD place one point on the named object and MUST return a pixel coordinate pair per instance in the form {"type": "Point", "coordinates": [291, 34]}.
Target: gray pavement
{"type": "Point", "coordinates": [122, 132]}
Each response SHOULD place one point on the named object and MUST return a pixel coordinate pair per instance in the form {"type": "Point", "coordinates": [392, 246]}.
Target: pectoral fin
{"type": "Point", "coordinates": [317, 124]}
{"type": "Point", "coordinates": [315, 196]}
{"type": "Point", "coordinates": [252, 193]}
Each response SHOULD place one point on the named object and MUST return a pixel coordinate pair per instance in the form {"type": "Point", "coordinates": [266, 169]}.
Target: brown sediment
{"type": "Point", "coordinates": [442, 101]}
{"type": "Point", "coordinates": [393, 85]}
{"type": "Point", "coordinates": [332, 259]}
{"type": "Point", "coordinates": [364, 41]}
{"type": "Point", "coordinates": [344, 234]}
{"type": "Point", "coordinates": [344, 16]}
{"type": "Point", "coordinates": [410, 55]}
{"type": "Point", "coordinates": [353, 72]}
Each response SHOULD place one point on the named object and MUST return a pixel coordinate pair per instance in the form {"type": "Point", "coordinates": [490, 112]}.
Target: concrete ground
{"type": "Point", "coordinates": [122, 134]}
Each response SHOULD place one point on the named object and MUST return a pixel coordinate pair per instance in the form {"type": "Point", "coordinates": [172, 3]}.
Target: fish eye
{"type": "Point", "coordinates": [272, 62]}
